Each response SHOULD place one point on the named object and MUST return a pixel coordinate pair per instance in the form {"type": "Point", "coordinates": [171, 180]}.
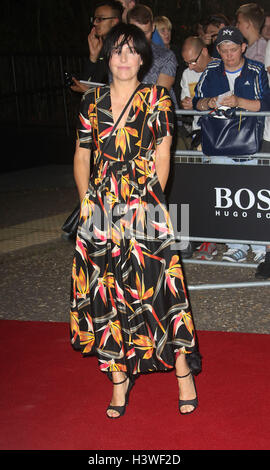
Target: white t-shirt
{"type": "Point", "coordinates": [232, 77]}
{"type": "Point", "coordinates": [257, 50]}
{"type": "Point", "coordinates": [188, 83]}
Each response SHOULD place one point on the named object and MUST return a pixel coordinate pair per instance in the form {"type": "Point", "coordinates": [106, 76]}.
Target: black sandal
{"type": "Point", "coordinates": [193, 402]}
{"type": "Point", "coordinates": [121, 409]}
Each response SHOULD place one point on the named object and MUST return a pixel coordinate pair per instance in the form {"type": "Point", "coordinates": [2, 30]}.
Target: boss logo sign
{"type": "Point", "coordinates": [243, 199]}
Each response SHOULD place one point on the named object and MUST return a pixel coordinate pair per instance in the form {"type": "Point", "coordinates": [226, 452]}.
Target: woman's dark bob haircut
{"type": "Point", "coordinates": [129, 34]}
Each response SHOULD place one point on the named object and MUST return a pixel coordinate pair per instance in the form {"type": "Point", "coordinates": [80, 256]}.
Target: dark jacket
{"type": "Point", "coordinates": [252, 83]}
{"type": "Point", "coordinates": [95, 71]}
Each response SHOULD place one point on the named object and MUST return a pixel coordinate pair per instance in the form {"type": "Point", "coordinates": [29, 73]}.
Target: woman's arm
{"type": "Point", "coordinates": [163, 160]}
{"type": "Point", "coordinates": [81, 169]}
{"type": "Point", "coordinates": [165, 80]}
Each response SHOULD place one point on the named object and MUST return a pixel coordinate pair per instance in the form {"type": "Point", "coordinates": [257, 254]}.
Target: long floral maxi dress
{"type": "Point", "coordinates": [129, 304]}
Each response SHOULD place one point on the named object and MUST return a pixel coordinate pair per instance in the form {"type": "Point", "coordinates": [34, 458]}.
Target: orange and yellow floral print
{"type": "Point", "coordinates": [145, 169]}
{"type": "Point", "coordinates": [172, 272]}
{"type": "Point", "coordinates": [122, 138]}
{"type": "Point", "coordinates": [140, 293]}
{"type": "Point", "coordinates": [74, 325]}
{"type": "Point", "coordinates": [87, 207]}
{"type": "Point", "coordinates": [92, 116]}
{"type": "Point", "coordinates": [111, 366]}
{"type": "Point", "coordinates": [145, 343]}
{"type": "Point", "coordinates": [87, 339]}
{"type": "Point", "coordinates": [135, 248]}
{"type": "Point", "coordinates": [103, 283]}
{"type": "Point", "coordinates": [114, 329]}
{"type": "Point", "coordinates": [164, 102]}
{"type": "Point", "coordinates": [125, 189]}
{"type": "Point", "coordinates": [129, 304]}
{"type": "Point", "coordinates": [82, 284]}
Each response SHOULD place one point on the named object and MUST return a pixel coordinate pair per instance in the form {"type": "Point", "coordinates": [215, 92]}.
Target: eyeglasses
{"type": "Point", "coordinates": [194, 62]}
{"type": "Point", "coordinates": [99, 19]}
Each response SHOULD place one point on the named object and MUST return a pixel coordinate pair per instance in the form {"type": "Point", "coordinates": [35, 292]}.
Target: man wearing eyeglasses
{"type": "Point", "coordinates": [196, 57]}
{"type": "Point", "coordinates": [107, 14]}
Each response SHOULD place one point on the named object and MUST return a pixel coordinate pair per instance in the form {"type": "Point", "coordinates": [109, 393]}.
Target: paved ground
{"type": "Point", "coordinates": [35, 261]}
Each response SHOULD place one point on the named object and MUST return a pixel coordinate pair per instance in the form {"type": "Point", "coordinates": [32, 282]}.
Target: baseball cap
{"type": "Point", "coordinates": [229, 33]}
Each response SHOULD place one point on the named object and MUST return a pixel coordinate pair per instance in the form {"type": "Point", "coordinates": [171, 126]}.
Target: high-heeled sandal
{"type": "Point", "coordinates": [121, 409]}
{"type": "Point", "coordinates": [193, 402]}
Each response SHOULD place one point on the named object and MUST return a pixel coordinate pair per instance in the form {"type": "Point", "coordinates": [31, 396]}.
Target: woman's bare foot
{"type": "Point", "coordinates": [119, 393]}
{"type": "Point", "coordinates": [186, 385]}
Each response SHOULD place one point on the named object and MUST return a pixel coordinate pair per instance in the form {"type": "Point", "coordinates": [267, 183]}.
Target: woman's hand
{"type": "Point", "coordinates": [79, 87]}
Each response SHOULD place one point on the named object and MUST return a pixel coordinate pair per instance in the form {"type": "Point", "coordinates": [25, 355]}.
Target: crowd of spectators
{"type": "Point", "coordinates": [183, 70]}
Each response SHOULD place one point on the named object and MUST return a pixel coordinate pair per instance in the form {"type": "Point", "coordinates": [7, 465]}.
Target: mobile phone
{"type": "Point", "coordinates": [68, 79]}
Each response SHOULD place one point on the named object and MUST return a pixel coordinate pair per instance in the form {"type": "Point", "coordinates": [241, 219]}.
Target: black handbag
{"type": "Point", "coordinates": [70, 226]}
{"type": "Point", "coordinates": [230, 135]}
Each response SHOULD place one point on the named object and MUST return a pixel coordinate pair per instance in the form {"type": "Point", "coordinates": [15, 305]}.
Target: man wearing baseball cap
{"type": "Point", "coordinates": [244, 84]}
{"type": "Point", "coordinates": [244, 78]}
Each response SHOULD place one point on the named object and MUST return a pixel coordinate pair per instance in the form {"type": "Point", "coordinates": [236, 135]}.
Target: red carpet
{"type": "Point", "coordinates": [53, 399]}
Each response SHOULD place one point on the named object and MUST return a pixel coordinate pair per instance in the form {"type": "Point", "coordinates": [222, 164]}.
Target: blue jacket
{"type": "Point", "coordinates": [252, 83]}
{"type": "Point", "coordinates": [156, 38]}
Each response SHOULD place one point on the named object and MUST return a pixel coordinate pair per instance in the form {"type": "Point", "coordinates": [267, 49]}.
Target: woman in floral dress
{"type": "Point", "coordinates": [129, 304]}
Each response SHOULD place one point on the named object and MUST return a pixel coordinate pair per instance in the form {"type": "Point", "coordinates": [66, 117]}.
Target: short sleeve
{"type": "Point", "coordinates": [164, 122]}
{"type": "Point", "coordinates": [84, 126]}
{"type": "Point", "coordinates": [169, 65]}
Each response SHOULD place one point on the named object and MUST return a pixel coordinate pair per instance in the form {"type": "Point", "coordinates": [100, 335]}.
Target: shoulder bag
{"type": "Point", "coordinates": [225, 134]}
